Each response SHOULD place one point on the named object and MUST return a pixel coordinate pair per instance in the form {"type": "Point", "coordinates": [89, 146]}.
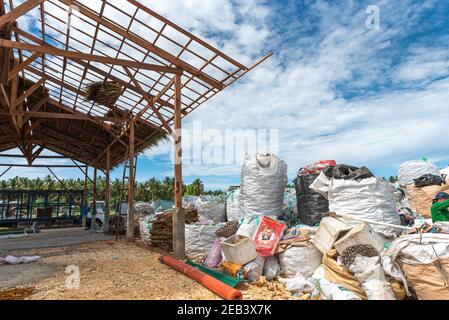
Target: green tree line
{"type": "Point", "coordinates": [152, 189]}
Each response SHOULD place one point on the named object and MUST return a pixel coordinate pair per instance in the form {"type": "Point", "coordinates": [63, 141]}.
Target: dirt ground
{"type": "Point", "coordinates": [112, 270]}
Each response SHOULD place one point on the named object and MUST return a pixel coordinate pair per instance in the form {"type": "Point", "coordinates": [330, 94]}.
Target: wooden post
{"type": "Point", "coordinates": [179, 216]}
{"type": "Point", "coordinates": [130, 216]}
{"type": "Point", "coordinates": [107, 194]}
{"type": "Point", "coordinates": [94, 202]}
{"type": "Point", "coordinates": [84, 211]}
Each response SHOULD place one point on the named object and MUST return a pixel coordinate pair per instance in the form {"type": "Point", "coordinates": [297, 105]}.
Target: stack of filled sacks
{"type": "Point", "coordinates": [263, 181]}
{"type": "Point", "coordinates": [200, 237]}
{"type": "Point", "coordinates": [355, 192]}
{"type": "Point", "coordinates": [160, 227]}
{"type": "Point", "coordinates": [311, 204]}
{"type": "Point", "coordinates": [422, 181]}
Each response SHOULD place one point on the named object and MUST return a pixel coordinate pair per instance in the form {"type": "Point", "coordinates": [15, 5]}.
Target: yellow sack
{"type": "Point", "coordinates": [336, 273]}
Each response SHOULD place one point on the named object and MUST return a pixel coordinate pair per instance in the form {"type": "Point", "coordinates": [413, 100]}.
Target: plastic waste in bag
{"type": "Point", "coordinates": [298, 283]}
{"type": "Point", "coordinates": [343, 171]}
{"type": "Point", "coordinates": [214, 257]}
{"type": "Point", "coordinates": [254, 270]}
{"type": "Point", "coordinates": [272, 268]}
{"type": "Point", "coordinates": [429, 180]}
{"type": "Point", "coordinates": [263, 181]}
{"type": "Point", "coordinates": [410, 170]}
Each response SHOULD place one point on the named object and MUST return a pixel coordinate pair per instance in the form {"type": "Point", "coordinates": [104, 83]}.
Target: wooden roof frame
{"type": "Point", "coordinates": [164, 71]}
{"type": "Point", "coordinates": [61, 64]}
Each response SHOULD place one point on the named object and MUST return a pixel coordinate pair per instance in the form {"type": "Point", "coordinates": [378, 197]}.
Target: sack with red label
{"type": "Point", "coordinates": [267, 236]}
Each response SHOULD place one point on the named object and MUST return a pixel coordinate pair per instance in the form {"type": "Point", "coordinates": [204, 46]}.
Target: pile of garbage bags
{"type": "Point", "coordinates": [341, 234]}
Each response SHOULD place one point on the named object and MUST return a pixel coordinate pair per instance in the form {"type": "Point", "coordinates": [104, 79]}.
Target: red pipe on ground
{"type": "Point", "coordinates": [219, 288]}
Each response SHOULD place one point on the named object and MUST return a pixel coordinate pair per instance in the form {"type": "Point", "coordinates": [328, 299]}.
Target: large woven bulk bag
{"type": "Point", "coordinates": [304, 259]}
{"type": "Point", "coordinates": [311, 204]}
{"type": "Point", "coordinates": [199, 239]}
{"type": "Point", "coordinates": [420, 261]}
{"type": "Point", "coordinates": [212, 208]}
{"type": "Point", "coordinates": [420, 198]}
{"type": "Point", "coordinates": [371, 198]}
{"type": "Point", "coordinates": [410, 170]}
{"type": "Point", "coordinates": [263, 181]}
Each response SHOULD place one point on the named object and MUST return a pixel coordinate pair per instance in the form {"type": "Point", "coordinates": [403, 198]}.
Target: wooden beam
{"type": "Point", "coordinates": [94, 201]}
{"type": "Point", "coordinates": [35, 108]}
{"type": "Point", "coordinates": [179, 215]}
{"type": "Point", "coordinates": [85, 56]}
{"type": "Point", "coordinates": [107, 194]}
{"type": "Point", "coordinates": [30, 91]}
{"type": "Point", "coordinates": [86, 202]}
{"type": "Point", "coordinates": [22, 66]}
{"type": "Point", "coordinates": [148, 100]}
{"type": "Point", "coordinates": [130, 216]}
{"type": "Point", "coordinates": [145, 44]}
{"type": "Point", "coordinates": [72, 116]}
{"type": "Point", "coordinates": [19, 11]}
{"type": "Point", "coordinates": [12, 104]}
{"type": "Point", "coordinates": [99, 71]}
{"type": "Point", "coordinates": [188, 34]}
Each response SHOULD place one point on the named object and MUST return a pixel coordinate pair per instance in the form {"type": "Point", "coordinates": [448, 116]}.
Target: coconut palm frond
{"type": "Point", "coordinates": [104, 93]}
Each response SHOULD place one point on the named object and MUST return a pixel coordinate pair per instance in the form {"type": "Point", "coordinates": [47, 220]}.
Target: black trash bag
{"type": "Point", "coordinates": [343, 171]}
{"type": "Point", "coordinates": [311, 204]}
{"type": "Point", "coordinates": [429, 180]}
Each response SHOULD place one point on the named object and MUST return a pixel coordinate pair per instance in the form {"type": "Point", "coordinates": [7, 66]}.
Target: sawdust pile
{"type": "Point", "coordinates": [120, 270]}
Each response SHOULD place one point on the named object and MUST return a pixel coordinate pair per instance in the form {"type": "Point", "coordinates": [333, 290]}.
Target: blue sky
{"type": "Point", "coordinates": [333, 88]}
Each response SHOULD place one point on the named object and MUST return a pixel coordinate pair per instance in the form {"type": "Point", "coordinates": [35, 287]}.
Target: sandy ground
{"type": "Point", "coordinates": [113, 270]}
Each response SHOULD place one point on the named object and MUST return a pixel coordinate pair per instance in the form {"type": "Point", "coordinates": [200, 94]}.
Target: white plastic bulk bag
{"type": "Point", "coordinates": [233, 211]}
{"type": "Point", "coordinates": [410, 170]}
{"type": "Point", "coordinates": [263, 181]}
{"type": "Point", "coordinates": [199, 239]}
{"type": "Point", "coordinates": [211, 209]}
{"type": "Point", "coordinates": [304, 259]}
{"type": "Point", "coordinates": [249, 226]}
{"type": "Point", "coordinates": [371, 198]}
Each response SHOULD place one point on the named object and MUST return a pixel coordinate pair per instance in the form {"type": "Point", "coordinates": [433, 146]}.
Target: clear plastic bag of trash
{"type": "Point", "coordinates": [214, 257]}
{"type": "Point", "coordinates": [272, 268]}
{"type": "Point", "coordinates": [298, 283]}
{"type": "Point", "coordinates": [254, 269]}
